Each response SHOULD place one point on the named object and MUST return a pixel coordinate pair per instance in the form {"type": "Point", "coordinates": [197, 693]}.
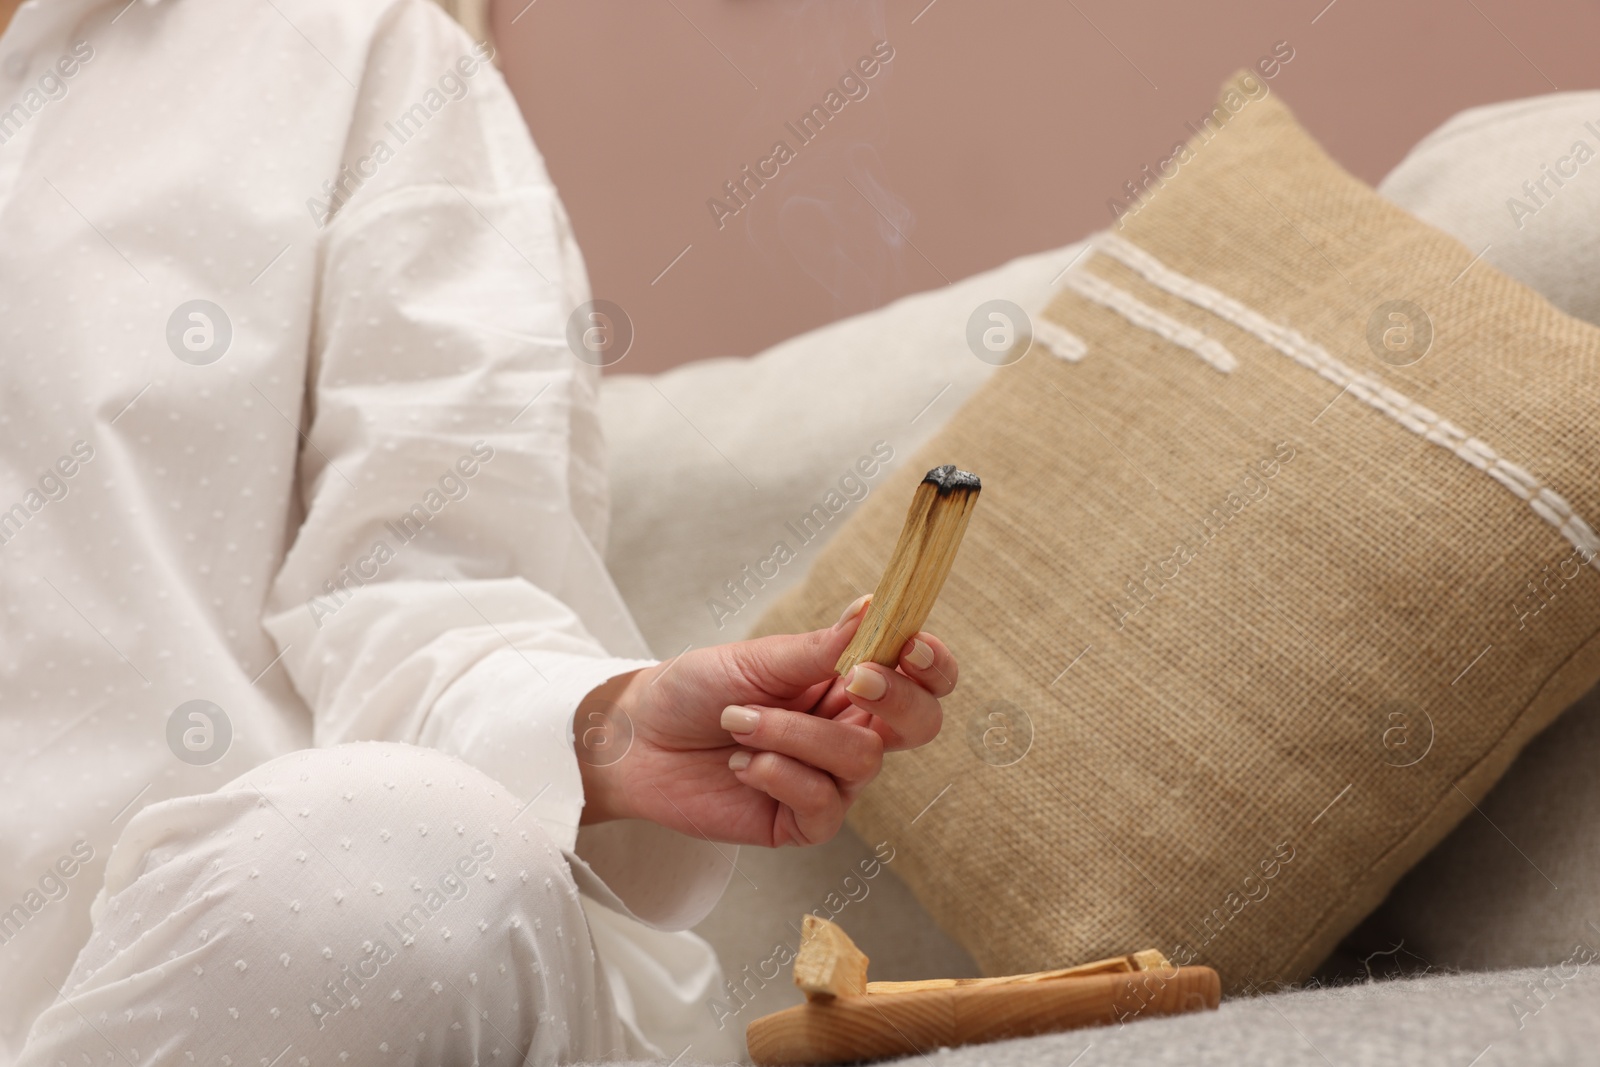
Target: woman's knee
{"type": "Point", "coordinates": [342, 900]}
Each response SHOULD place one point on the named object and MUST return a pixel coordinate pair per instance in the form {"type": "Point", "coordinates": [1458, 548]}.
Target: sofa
{"type": "Point", "coordinates": [1481, 955]}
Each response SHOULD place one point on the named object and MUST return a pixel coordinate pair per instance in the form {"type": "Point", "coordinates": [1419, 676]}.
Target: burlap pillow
{"type": "Point", "coordinates": [1260, 594]}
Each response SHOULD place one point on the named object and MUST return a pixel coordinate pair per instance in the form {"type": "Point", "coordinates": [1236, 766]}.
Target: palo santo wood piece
{"type": "Point", "coordinates": [828, 964]}
{"type": "Point", "coordinates": [916, 572]}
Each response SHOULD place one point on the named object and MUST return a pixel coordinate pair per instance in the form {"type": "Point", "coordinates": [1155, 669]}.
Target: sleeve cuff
{"type": "Point", "coordinates": [650, 873]}
{"type": "Point", "coordinates": [510, 716]}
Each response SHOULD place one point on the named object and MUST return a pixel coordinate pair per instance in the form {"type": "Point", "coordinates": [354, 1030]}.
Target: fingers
{"type": "Point", "coordinates": [911, 713]}
{"type": "Point", "coordinates": [852, 753]}
{"type": "Point", "coordinates": [811, 796]}
{"type": "Point", "coordinates": [853, 612]}
{"type": "Point", "coordinates": [787, 664]}
{"type": "Point", "coordinates": [927, 661]}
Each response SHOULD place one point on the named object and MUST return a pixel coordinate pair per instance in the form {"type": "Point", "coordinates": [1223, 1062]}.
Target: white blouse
{"type": "Point", "coordinates": [293, 446]}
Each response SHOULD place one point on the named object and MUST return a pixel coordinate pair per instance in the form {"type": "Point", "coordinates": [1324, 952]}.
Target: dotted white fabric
{"type": "Point", "coordinates": [360, 497]}
{"type": "Point", "coordinates": [362, 904]}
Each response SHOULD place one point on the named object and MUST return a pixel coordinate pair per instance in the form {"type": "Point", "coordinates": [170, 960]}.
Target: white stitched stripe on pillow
{"type": "Point", "coordinates": [1059, 340]}
{"type": "Point", "coordinates": [1146, 317]}
{"type": "Point", "coordinates": [1545, 502]}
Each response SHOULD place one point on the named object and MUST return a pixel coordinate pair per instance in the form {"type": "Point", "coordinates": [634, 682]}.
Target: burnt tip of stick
{"type": "Point", "coordinates": [947, 479]}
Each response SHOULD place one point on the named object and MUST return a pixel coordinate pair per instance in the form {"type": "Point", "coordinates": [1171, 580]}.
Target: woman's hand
{"type": "Point", "coordinates": [756, 742]}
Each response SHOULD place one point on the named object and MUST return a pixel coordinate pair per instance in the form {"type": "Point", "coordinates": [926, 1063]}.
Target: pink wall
{"type": "Point", "coordinates": [999, 127]}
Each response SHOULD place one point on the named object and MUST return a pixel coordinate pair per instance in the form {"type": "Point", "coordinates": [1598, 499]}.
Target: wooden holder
{"type": "Point", "coordinates": [847, 1018]}
{"type": "Point", "coordinates": [878, 1026]}
{"type": "Point", "coordinates": [916, 572]}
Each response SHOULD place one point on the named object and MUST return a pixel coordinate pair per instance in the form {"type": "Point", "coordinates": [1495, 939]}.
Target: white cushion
{"type": "Point", "coordinates": [1468, 176]}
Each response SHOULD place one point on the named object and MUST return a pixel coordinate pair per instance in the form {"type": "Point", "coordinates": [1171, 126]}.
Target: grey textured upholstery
{"type": "Point", "coordinates": [1457, 1020]}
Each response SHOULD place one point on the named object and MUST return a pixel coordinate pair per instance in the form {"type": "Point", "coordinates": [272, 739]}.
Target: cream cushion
{"type": "Point", "coordinates": [1468, 176]}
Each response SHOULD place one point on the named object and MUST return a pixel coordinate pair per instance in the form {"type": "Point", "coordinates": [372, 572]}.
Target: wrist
{"type": "Point", "coordinates": [603, 735]}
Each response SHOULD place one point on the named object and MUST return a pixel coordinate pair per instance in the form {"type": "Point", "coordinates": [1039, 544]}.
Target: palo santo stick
{"type": "Point", "coordinates": [916, 572]}
{"type": "Point", "coordinates": [828, 964]}
{"type": "Point", "coordinates": [1147, 960]}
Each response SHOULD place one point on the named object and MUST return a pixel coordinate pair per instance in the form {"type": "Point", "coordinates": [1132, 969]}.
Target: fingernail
{"type": "Point", "coordinates": [850, 612]}
{"type": "Point", "coordinates": [740, 720]}
{"type": "Point", "coordinates": [867, 684]}
{"type": "Point", "coordinates": [920, 656]}
{"type": "Point", "coordinates": [738, 761]}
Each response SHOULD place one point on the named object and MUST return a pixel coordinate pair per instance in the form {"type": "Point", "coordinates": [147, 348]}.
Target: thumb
{"type": "Point", "coordinates": [790, 663]}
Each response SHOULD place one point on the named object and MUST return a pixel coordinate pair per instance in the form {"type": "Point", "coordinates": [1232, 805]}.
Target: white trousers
{"type": "Point", "coordinates": [366, 904]}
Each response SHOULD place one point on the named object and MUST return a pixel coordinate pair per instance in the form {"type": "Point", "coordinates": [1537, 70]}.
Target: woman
{"type": "Point", "coordinates": [299, 456]}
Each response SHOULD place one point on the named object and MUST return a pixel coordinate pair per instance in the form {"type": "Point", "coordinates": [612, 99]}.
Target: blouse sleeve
{"type": "Point", "coordinates": [445, 586]}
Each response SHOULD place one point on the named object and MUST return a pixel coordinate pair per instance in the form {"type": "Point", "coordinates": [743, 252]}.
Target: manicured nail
{"type": "Point", "coordinates": [740, 720]}
{"type": "Point", "coordinates": [920, 656]}
{"type": "Point", "coordinates": [850, 612]}
{"type": "Point", "coordinates": [867, 684]}
{"type": "Point", "coordinates": [738, 761]}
